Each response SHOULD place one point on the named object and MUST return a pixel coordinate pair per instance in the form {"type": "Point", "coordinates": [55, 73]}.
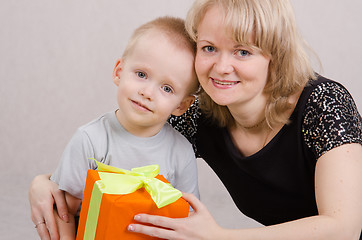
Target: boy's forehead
{"type": "Point", "coordinates": [152, 34]}
{"type": "Point", "coordinates": [177, 40]}
{"type": "Point", "coordinates": [154, 40]}
{"type": "Point", "coordinates": [158, 54]}
{"type": "Point", "coordinates": [158, 35]}
{"type": "Point", "coordinates": [149, 44]}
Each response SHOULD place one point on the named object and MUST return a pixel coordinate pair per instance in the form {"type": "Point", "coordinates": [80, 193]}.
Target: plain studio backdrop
{"type": "Point", "coordinates": [56, 62]}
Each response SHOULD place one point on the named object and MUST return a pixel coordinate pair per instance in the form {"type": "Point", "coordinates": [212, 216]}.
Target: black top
{"type": "Point", "coordinates": [276, 184]}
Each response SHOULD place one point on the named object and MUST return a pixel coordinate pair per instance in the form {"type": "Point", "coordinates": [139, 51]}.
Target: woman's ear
{"type": "Point", "coordinates": [117, 71]}
{"type": "Point", "coordinates": [184, 105]}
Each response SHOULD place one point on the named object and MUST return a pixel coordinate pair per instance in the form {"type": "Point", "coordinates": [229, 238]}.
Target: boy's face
{"type": "Point", "coordinates": [153, 82]}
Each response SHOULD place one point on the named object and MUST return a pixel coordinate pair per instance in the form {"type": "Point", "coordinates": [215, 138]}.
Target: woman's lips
{"type": "Point", "coordinates": [223, 83]}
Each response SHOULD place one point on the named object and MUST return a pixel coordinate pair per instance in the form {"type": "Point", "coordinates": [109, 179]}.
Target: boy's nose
{"type": "Point", "coordinates": [146, 92]}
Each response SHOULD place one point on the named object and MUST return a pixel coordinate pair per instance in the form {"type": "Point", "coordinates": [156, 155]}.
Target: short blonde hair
{"type": "Point", "coordinates": [174, 29]}
{"type": "Point", "coordinates": [271, 24]}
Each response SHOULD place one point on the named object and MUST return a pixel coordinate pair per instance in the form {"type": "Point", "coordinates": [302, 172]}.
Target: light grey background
{"type": "Point", "coordinates": [56, 61]}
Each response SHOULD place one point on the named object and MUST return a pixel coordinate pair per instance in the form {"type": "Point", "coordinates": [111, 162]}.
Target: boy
{"type": "Point", "coordinates": [155, 78]}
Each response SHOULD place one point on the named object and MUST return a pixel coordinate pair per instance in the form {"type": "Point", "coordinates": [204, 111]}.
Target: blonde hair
{"type": "Point", "coordinates": [174, 29]}
{"type": "Point", "coordinates": [271, 24]}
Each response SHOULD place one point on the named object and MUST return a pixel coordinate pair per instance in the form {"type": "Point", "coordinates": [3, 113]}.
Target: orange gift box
{"type": "Point", "coordinates": [116, 211]}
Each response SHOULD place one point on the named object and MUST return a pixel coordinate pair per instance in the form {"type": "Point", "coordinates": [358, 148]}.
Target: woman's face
{"type": "Point", "coordinates": [231, 74]}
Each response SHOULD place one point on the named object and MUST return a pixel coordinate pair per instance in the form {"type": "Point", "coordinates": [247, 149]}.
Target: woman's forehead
{"type": "Point", "coordinates": [216, 22]}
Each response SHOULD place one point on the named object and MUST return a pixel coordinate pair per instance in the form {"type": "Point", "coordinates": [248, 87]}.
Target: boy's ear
{"type": "Point", "coordinates": [184, 105]}
{"type": "Point", "coordinates": [117, 71]}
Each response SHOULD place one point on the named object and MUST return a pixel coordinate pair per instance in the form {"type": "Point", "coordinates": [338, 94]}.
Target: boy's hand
{"type": "Point", "coordinates": [43, 194]}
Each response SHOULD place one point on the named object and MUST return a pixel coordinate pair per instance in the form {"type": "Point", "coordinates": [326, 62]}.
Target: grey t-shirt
{"type": "Point", "coordinates": [108, 142]}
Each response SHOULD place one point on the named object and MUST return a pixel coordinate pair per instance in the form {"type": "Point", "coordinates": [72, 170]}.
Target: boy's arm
{"type": "Point", "coordinates": [67, 229]}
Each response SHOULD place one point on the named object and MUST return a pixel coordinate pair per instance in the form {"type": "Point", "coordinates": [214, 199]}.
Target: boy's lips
{"type": "Point", "coordinates": [141, 106]}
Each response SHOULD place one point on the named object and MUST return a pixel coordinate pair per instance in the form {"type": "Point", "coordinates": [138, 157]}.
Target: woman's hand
{"type": "Point", "coordinates": [43, 194]}
{"type": "Point", "coordinates": [199, 225]}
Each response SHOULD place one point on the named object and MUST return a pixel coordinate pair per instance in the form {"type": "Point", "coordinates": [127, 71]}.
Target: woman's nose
{"type": "Point", "coordinates": [223, 64]}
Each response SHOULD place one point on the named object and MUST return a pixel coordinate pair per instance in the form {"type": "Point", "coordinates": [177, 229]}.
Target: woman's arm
{"type": "Point", "coordinates": [338, 189]}
{"type": "Point", "coordinates": [338, 193]}
{"type": "Point", "coordinates": [43, 194]}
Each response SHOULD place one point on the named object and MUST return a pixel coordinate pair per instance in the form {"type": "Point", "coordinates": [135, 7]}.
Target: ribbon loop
{"type": "Point", "coordinates": [161, 193]}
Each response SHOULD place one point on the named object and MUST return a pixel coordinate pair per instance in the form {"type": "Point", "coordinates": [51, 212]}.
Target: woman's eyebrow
{"type": "Point", "coordinates": [207, 41]}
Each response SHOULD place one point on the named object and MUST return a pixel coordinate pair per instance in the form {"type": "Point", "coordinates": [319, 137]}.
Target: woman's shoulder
{"type": "Point", "coordinates": [328, 96]}
{"type": "Point", "coordinates": [318, 85]}
{"type": "Point", "coordinates": [324, 94]}
{"type": "Point", "coordinates": [330, 116]}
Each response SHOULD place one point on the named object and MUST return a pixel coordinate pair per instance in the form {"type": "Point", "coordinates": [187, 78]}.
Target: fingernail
{"type": "Point", "coordinates": [137, 217]}
{"type": "Point", "coordinates": [130, 228]}
{"type": "Point", "coordinates": [65, 217]}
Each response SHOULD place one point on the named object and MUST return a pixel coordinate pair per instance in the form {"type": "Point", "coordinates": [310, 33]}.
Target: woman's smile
{"type": "Point", "coordinates": [219, 83]}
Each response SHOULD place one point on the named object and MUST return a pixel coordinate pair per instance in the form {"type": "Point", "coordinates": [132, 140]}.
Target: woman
{"type": "Point", "coordinates": [285, 141]}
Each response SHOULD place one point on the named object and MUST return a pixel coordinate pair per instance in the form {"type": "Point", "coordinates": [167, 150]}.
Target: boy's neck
{"type": "Point", "coordinates": [136, 130]}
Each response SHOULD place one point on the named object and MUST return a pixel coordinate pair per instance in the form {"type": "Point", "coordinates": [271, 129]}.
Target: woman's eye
{"type": "Point", "coordinates": [141, 74]}
{"type": "Point", "coordinates": [208, 49]}
{"type": "Point", "coordinates": [243, 53]}
{"type": "Point", "coordinates": [167, 89]}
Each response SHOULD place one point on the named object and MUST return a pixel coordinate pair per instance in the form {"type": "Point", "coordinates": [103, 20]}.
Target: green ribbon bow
{"type": "Point", "coordinates": [120, 181]}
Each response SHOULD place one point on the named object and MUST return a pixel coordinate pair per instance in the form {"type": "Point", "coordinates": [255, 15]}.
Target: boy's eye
{"type": "Point", "coordinates": [167, 89]}
{"type": "Point", "coordinates": [141, 74]}
{"type": "Point", "coordinates": [208, 49]}
{"type": "Point", "coordinates": [242, 53]}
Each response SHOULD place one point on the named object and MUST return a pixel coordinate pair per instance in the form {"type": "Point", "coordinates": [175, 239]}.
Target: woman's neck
{"type": "Point", "coordinates": [251, 116]}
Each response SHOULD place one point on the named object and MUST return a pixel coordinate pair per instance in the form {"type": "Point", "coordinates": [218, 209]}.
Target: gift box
{"type": "Point", "coordinates": [112, 197]}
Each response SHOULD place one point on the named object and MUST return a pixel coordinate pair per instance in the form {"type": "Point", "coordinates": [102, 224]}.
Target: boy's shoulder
{"type": "Point", "coordinates": [175, 137]}
{"type": "Point", "coordinates": [99, 126]}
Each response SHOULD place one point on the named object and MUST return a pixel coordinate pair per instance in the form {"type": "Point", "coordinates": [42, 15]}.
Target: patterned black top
{"type": "Point", "coordinates": [276, 184]}
{"type": "Point", "coordinates": [331, 118]}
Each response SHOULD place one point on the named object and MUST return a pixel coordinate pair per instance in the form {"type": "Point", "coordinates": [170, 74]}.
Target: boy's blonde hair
{"type": "Point", "coordinates": [271, 25]}
{"type": "Point", "coordinates": [174, 29]}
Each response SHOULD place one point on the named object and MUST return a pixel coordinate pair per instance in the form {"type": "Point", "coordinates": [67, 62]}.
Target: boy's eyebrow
{"type": "Point", "coordinates": [175, 83]}
{"type": "Point", "coordinates": [141, 66]}
{"type": "Point", "coordinates": [171, 81]}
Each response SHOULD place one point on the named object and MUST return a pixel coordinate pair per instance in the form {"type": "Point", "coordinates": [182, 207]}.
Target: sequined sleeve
{"type": "Point", "coordinates": [331, 119]}
{"type": "Point", "coordinates": [186, 124]}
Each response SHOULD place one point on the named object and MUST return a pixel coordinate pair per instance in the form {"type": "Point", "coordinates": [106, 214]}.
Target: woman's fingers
{"type": "Point", "coordinates": [45, 223]}
{"type": "Point", "coordinates": [200, 225]}
{"type": "Point", "coordinates": [42, 195]}
{"type": "Point", "coordinates": [152, 231]}
{"type": "Point", "coordinates": [51, 225]}
{"type": "Point", "coordinates": [162, 227]}
{"type": "Point", "coordinates": [159, 221]}
{"type": "Point", "coordinates": [43, 232]}
{"type": "Point", "coordinates": [194, 202]}
{"type": "Point", "coordinates": [61, 204]}
{"type": "Point", "coordinates": [40, 224]}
